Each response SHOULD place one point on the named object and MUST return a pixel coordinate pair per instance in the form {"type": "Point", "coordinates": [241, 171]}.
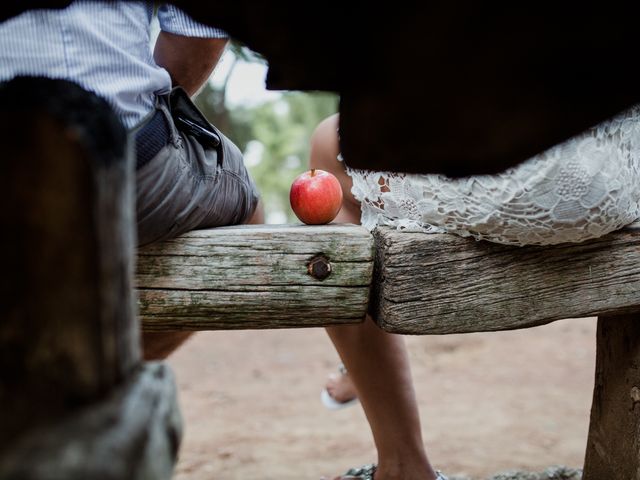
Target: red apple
{"type": "Point", "coordinates": [316, 197]}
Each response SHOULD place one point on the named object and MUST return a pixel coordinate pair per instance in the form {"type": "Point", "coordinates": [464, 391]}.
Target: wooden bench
{"type": "Point", "coordinates": [262, 277]}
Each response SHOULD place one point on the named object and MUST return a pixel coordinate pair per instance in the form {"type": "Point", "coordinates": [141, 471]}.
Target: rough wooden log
{"type": "Point", "coordinates": [256, 277]}
{"type": "Point", "coordinates": [68, 332]}
{"type": "Point", "coordinates": [133, 433]}
{"type": "Point", "coordinates": [613, 446]}
{"type": "Point", "coordinates": [434, 284]}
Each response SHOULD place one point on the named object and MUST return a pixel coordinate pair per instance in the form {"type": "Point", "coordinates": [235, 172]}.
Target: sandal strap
{"type": "Point", "coordinates": [365, 472]}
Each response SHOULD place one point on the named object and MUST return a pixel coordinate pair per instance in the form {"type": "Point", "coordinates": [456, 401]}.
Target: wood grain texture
{"type": "Point", "coordinates": [255, 277]}
{"type": "Point", "coordinates": [68, 332]}
{"type": "Point", "coordinates": [437, 284]}
{"type": "Point", "coordinates": [613, 446]}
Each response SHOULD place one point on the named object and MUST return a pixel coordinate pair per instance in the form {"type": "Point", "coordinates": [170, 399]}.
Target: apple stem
{"type": "Point", "coordinates": [313, 172]}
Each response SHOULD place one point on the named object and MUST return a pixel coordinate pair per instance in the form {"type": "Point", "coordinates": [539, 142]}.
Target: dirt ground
{"type": "Point", "coordinates": [489, 403]}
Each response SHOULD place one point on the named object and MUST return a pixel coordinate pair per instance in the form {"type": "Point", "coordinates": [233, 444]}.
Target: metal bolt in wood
{"type": "Point", "coordinates": [319, 267]}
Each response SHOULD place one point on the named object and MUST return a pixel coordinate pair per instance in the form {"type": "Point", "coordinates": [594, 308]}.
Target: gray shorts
{"type": "Point", "coordinates": [186, 186]}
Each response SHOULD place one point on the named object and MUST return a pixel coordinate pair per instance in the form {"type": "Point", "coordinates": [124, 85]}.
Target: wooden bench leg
{"type": "Point", "coordinates": [613, 446]}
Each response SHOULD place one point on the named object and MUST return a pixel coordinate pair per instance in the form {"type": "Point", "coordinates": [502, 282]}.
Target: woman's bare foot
{"type": "Point", "coordinates": [340, 390]}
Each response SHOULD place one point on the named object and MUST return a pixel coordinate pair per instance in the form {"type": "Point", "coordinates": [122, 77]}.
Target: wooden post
{"type": "Point", "coordinates": [613, 446]}
{"type": "Point", "coordinates": [73, 391]}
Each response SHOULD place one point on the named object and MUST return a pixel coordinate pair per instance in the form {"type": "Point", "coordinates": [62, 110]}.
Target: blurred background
{"type": "Point", "coordinates": [271, 128]}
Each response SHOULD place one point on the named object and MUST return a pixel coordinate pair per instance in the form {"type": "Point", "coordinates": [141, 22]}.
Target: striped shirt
{"type": "Point", "coordinates": [103, 46]}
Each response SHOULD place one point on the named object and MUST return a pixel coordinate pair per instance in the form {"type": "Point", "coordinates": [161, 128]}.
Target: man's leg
{"type": "Point", "coordinates": [376, 361]}
{"type": "Point", "coordinates": [159, 345]}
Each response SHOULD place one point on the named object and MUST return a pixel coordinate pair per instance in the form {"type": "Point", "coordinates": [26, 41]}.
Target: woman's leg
{"type": "Point", "coordinates": [379, 367]}
{"type": "Point", "coordinates": [376, 361]}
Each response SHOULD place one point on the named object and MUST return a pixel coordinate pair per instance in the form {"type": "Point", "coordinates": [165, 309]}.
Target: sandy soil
{"type": "Point", "coordinates": [489, 403]}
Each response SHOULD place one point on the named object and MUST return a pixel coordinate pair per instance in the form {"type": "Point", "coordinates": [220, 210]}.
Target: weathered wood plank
{"type": "Point", "coordinates": [613, 446]}
{"type": "Point", "coordinates": [255, 277]}
{"type": "Point", "coordinates": [434, 284]}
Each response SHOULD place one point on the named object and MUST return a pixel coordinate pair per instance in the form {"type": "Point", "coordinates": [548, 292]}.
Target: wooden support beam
{"type": "Point", "coordinates": [256, 277]}
{"type": "Point", "coordinates": [69, 338]}
{"type": "Point", "coordinates": [436, 284]}
{"type": "Point", "coordinates": [613, 446]}
{"type": "Point", "coordinates": [67, 332]}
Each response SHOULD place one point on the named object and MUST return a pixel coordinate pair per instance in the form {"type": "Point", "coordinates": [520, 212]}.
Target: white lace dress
{"type": "Point", "coordinates": [581, 189]}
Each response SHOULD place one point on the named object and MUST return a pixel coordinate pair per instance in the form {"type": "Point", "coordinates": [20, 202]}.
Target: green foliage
{"type": "Point", "coordinates": [280, 130]}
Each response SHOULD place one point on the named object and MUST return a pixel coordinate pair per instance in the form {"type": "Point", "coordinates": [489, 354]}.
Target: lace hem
{"type": "Point", "coordinates": [578, 190]}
